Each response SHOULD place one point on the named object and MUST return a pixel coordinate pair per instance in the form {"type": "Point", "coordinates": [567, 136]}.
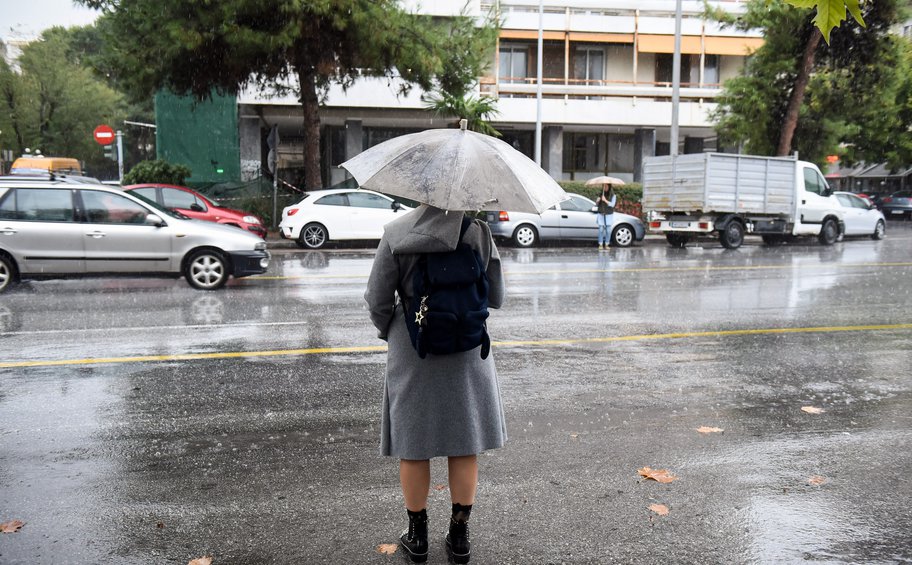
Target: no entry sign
{"type": "Point", "coordinates": [104, 135]}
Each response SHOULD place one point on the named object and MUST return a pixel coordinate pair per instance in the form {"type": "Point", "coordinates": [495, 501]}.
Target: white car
{"type": "Point", "coordinates": [338, 214]}
{"type": "Point", "coordinates": [861, 217]}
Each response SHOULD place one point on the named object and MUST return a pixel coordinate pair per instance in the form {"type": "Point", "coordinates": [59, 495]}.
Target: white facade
{"type": "Point", "coordinates": [606, 88]}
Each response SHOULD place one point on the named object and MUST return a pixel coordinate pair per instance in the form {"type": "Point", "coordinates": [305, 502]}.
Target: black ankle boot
{"type": "Point", "coordinates": [414, 540]}
{"type": "Point", "coordinates": [457, 540]}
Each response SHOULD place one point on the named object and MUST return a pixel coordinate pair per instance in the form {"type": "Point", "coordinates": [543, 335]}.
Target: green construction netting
{"type": "Point", "coordinates": [202, 135]}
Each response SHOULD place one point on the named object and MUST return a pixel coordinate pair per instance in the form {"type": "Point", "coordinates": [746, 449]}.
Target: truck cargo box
{"type": "Point", "coordinates": [720, 183]}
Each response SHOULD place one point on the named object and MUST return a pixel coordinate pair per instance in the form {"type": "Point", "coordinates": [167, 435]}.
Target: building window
{"type": "Point", "coordinates": [711, 70]}
{"type": "Point", "coordinates": [581, 152]}
{"type": "Point", "coordinates": [514, 63]}
{"type": "Point", "coordinates": [589, 64]}
{"type": "Point", "coordinates": [690, 69]}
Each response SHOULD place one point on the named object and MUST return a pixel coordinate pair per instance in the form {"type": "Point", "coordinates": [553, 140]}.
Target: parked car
{"type": "Point", "coordinates": [874, 199]}
{"type": "Point", "coordinates": [338, 214]}
{"type": "Point", "coordinates": [194, 205]}
{"type": "Point", "coordinates": [861, 217]}
{"type": "Point", "coordinates": [59, 228]}
{"type": "Point", "coordinates": [898, 205]}
{"type": "Point", "coordinates": [571, 219]}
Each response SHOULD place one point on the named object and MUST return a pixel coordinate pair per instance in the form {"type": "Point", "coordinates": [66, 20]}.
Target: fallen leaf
{"type": "Point", "coordinates": [817, 480]}
{"type": "Point", "coordinates": [440, 487]}
{"type": "Point", "coordinates": [659, 509]}
{"type": "Point", "coordinates": [387, 548]}
{"type": "Point", "coordinates": [708, 430]}
{"type": "Point", "coordinates": [160, 525]}
{"type": "Point", "coordinates": [812, 409]}
{"type": "Point", "coordinates": [660, 475]}
{"type": "Point", "coordinates": [574, 436]}
{"type": "Point", "coordinates": [201, 561]}
{"type": "Point", "coordinates": [11, 527]}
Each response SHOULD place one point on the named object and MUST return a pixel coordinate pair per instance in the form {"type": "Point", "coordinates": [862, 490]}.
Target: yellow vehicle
{"type": "Point", "coordinates": [40, 164]}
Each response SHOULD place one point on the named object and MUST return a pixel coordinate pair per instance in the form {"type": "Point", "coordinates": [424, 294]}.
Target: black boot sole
{"type": "Point", "coordinates": [458, 558]}
{"type": "Point", "coordinates": [415, 557]}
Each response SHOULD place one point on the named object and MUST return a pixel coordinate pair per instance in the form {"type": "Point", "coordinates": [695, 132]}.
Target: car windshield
{"type": "Point", "coordinates": [154, 204]}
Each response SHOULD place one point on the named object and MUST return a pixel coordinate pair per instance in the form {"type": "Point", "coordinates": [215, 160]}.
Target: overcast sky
{"type": "Point", "coordinates": [26, 19]}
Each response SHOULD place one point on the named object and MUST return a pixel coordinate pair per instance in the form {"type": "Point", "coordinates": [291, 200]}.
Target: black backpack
{"type": "Point", "coordinates": [449, 308]}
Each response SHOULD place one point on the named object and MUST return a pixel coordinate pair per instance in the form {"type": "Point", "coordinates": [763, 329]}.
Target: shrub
{"type": "Point", "coordinates": [157, 171]}
{"type": "Point", "coordinates": [629, 195]}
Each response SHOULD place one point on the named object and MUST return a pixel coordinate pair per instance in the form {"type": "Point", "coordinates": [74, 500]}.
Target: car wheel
{"type": "Point", "coordinates": [829, 232]}
{"type": "Point", "coordinates": [623, 235]}
{"type": "Point", "coordinates": [313, 236]}
{"type": "Point", "coordinates": [7, 273]}
{"type": "Point", "coordinates": [525, 236]}
{"type": "Point", "coordinates": [879, 230]}
{"type": "Point", "coordinates": [733, 235]}
{"type": "Point", "coordinates": [206, 269]}
{"type": "Point", "coordinates": [676, 240]}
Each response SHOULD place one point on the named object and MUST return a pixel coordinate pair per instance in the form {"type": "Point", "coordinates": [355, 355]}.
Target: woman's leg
{"type": "Point", "coordinates": [600, 221]}
{"type": "Point", "coordinates": [415, 478]}
{"type": "Point", "coordinates": [463, 475]}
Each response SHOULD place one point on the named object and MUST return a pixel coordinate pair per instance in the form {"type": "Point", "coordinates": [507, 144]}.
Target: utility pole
{"type": "Point", "coordinates": [120, 156]}
{"type": "Point", "coordinates": [538, 91]}
{"type": "Point", "coordinates": [676, 80]}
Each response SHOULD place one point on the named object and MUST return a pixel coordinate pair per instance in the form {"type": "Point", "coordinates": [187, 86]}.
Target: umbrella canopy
{"type": "Point", "coordinates": [456, 169]}
{"type": "Point", "coordinates": [605, 180]}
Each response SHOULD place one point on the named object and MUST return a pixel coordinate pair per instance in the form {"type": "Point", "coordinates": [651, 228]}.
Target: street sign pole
{"type": "Point", "coordinates": [120, 156]}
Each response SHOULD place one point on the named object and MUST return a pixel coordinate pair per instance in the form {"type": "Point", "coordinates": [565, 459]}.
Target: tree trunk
{"type": "Point", "coordinates": [310, 104]}
{"type": "Point", "coordinates": [797, 98]}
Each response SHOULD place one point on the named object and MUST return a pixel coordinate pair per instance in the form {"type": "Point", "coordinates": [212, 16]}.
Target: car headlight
{"type": "Point", "coordinates": [260, 246]}
{"type": "Point", "coordinates": [251, 219]}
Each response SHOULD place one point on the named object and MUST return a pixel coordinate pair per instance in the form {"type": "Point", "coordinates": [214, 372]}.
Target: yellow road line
{"type": "Point", "coordinates": [381, 348]}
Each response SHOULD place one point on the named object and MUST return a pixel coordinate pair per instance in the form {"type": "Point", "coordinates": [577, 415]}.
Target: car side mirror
{"type": "Point", "coordinates": [396, 206]}
{"type": "Point", "coordinates": [154, 220]}
{"type": "Point", "coordinates": [196, 207]}
{"type": "Point", "coordinates": [594, 210]}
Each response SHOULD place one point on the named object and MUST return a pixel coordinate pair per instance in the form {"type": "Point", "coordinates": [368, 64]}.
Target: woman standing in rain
{"type": "Point", "coordinates": [605, 215]}
{"type": "Point", "coordinates": [440, 405]}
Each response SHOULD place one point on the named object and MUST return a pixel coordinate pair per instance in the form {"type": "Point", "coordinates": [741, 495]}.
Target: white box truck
{"type": "Point", "coordinates": [778, 198]}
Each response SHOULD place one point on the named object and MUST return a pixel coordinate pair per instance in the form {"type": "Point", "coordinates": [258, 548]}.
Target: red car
{"type": "Point", "coordinates": [195, 205]}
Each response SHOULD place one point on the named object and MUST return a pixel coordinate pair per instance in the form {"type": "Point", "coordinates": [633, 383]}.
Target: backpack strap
{"type": "Point", "coordinates": [466, 222]}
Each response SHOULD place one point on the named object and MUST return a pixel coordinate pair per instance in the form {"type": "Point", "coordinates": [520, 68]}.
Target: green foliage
{"type": "Point", "coordinates": [830, 13]}
{"type": "Point", "coordinates": [853, 96]}
{"type": "Point", "coordinates": [53, 103]}
{"type": "Point", "coordinates": [629, 195]}
{"type": "Point", "coordinates": [157, 171]}
{"type": "Point", "coordinates": [477, 111]}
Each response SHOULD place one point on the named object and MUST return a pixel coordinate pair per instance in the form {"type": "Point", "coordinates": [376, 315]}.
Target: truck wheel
{"type": "Point", "coordinates": [676, 240]}
{"type": "Point", "coordinates": [525, 236]}
{"type": "Point", "coordinates": [732, 236]}
{"type": "Point", "coordinates": [829, 232]}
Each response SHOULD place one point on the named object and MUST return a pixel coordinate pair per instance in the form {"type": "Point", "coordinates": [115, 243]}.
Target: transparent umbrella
{"type": "Point", "coordinates": [456, 169]}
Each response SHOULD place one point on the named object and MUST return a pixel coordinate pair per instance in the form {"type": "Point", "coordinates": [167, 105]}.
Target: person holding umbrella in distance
{"type": "Point", "coordinates": [605, 204]}
{"type": "Point", "coordinates": [441, 404]}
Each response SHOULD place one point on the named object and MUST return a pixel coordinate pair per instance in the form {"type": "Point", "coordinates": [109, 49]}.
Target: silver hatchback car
{"type": "Point", "coordinates": [52, 228]}
{"type": "Point", "coordinates": [571, 219]}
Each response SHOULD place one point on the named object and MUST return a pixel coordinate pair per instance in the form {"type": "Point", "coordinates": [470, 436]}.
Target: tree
{"type": "Point", "coordinates": [195, 47]}
{"type": "Point", "coordinates": [52, 104]}
{"type": "Point", "coordinates": [797, 93]}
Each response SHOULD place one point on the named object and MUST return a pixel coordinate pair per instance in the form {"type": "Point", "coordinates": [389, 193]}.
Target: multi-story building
{"type": "Point", "coordinates": [606, 88]}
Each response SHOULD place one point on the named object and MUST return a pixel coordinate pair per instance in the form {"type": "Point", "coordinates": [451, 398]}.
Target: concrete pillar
{"type": "Point", "coordinates": [644, 145]}
{"type": "Point", "coordinates": [354, 138]}
{"type": "Point", "coordinates": [251, 145]}
{"type": "Point", "coordinates": [553, 151]}
{"type": "Point", "coordinates": [693, 144]}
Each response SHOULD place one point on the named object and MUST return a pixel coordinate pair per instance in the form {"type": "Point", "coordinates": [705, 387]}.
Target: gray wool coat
{"type": "Point", "coordinates": [442, 405]}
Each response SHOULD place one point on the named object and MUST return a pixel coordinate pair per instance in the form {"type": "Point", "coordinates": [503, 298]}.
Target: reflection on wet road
{"type": "Point", "coordinates": [255, 409]}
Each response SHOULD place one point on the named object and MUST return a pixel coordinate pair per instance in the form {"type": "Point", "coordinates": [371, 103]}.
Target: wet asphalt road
{"type": "Point", "coordinates": [262, 447]}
